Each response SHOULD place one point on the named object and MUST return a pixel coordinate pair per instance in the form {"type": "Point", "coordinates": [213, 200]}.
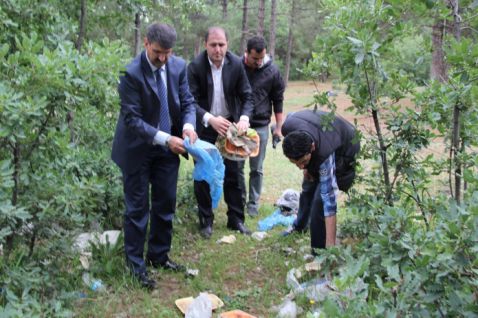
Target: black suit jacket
{"type": "Point", "coordinates": [139, 116]}
{"type": "Point", "coordinates": [237, 90]}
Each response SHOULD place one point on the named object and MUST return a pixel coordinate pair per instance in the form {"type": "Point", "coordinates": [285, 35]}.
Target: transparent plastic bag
{"type": "Point", "coordinates": [201, 307]}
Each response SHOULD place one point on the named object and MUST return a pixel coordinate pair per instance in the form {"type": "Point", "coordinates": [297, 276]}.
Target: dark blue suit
{"type": "Point", "coordinates": [142, 163]}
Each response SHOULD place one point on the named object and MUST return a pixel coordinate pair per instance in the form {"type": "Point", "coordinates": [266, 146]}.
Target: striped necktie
{"type": "Point", "coordinates": [164, 121]}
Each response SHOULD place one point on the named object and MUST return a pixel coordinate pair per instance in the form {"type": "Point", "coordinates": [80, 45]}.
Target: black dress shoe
{"type": "Point", "coordinates": [168, 265]}
{"type": "Point", "coordinates": [145, 281]}
{"type": "Point", "coordinates": [240, 227]}
{"type": "Point", "coordinates": [206, 232]}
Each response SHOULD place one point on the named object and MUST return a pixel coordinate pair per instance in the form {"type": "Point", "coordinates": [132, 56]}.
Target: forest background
{"type": "Point", "coordinates": [410, 67]}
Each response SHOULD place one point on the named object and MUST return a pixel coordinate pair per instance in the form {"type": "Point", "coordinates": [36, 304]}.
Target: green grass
{"type": "Point", "coordinates": [247, 275]}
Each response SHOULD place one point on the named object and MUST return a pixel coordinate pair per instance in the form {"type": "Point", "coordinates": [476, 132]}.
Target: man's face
{"type": "Point", "coordinates": [303, 161]}
{"type": "Point", "coordinates": [216, 46]}
{"type": "Point", "coordinates": [255, 59]}
{"type": "Point", "coordinates": [157, 55]}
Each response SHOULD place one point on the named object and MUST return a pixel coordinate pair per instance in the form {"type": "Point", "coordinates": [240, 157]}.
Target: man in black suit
{"type": "Point", "coordinates": [157, 112]}
{"type": "Point", "coordinates": [219, 84]}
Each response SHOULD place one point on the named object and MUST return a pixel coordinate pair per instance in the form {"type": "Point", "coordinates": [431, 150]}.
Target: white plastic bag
{"type": "Point", "coordinates": [201, 307]}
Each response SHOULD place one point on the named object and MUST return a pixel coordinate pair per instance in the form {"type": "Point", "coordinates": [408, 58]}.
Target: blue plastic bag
{"type": "Point", "coordinates": [276, 218]}
{"type": "Point", "coordinates": [209, 167]}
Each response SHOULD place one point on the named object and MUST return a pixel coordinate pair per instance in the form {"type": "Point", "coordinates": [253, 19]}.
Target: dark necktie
{"type": "Point", "coordinates": [164, 122]}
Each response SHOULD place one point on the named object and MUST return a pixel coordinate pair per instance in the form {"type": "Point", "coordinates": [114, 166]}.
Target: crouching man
{"type": "Point", "coordinates": [325, 150]}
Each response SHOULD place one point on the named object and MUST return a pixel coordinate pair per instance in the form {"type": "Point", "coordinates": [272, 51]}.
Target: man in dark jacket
{"type": "Point", "coordinates": [157, 112]}
{"type": "Point", "coordinates": [219, 84]}
{"type": "Point", "coordinates": [325, 147]}
{"type": "Point", "coordinates": [267, 95]}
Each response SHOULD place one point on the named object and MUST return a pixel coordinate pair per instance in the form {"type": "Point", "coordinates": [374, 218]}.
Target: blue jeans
{"type": "Point", "coordinates": [256, 172]}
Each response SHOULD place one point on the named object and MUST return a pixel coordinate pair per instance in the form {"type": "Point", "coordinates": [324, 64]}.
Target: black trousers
{"type": "Point", "coordinates": [232, 190]}
{"type": "Point", "coordinates": [311, 212]}
{"type": "Point", "coordinates": [158, 175]}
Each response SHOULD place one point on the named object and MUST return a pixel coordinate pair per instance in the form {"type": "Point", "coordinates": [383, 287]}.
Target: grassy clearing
{"type": "Point", "coordinates": [247, 275]}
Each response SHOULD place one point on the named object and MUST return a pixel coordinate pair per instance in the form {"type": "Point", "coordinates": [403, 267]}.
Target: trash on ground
{"type": "Point", "coordinates": [288, 202]}
{"type": "Point", "coordinates": [312, 266]}
{"type": "Point", "coordinates": [85, 259]}
{"type": "Point", "coordinates": [236, 314]}
{"type": "Point", "coordinates": [259, 235]}
{"type": "Point", "coordinates": [319, 289]}
{"type": "Point", "coordinates": [288, 251]}
{"type": "Point", "coordinates": [92, 283]}
{"type": "Point", "coordinates": [84, 240]}
{"type": "Point", "coordinates": [192, 272]}
{"type": "Point", "coordinates": [110, 237]}
{"type": "Point", "coordinates": [228, 239]}
{"type": "Point", "coordinates": [308, 257]}
{"type": "Point", "coordinates": [275, 219]}
{"type": "Point", "coordinates": [184, 303]}
{"type": "Point", "coordinates": [200, 307]}
{"type": "Point", "coordinates": [288, 310]}
{"type": "Point", "coordinates": [209, 167]}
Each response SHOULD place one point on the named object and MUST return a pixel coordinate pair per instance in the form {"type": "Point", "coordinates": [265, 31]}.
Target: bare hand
{"type": "Point", "coordinates": [242, 126]}
{"type": "Point", "coordinates": [191, 134]}
{"type": "Point", "coordinates": [277, 131]}
{"type": "Point", "coordinates": [176, 145]}
{"type": "Point", "coordinates": [220, 124]}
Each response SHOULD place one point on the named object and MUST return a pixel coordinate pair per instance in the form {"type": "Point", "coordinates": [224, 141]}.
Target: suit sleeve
{"type": "Point", "coordinates": [194, 87]}
{"type": "Point", "coordinates": [188, 104]}
{"type": "Point", "coordinates": [131, 110]}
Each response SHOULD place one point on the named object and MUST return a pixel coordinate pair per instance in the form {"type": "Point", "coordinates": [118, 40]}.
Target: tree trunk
{"type": "Point", "coordinates": [137, 33]}
{"type": "Point", "coordinates": [456, 140]}
{"type": "Point", "coordinates": [82, 32]}
{"type": "Point", "coordinates": [15, 191]}
{"type": "Point", "coordinates": [224, 9]}
{"type": "Point", "coordinates": [289, 42]}
{"type": "Point", "coordinates": [245, 29]}
{"type": "Point", "coordinates": [260, 15]}
{"type": "Point", "coordinates": [438, 68]}
{"type": "Point", "coordinates": [272, 30]}
{"type": "Point", "coordinates": [197, 45]}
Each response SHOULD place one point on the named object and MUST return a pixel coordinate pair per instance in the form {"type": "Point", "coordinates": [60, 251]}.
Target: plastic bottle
{"type": "Point", "coordinates": [93, 284]}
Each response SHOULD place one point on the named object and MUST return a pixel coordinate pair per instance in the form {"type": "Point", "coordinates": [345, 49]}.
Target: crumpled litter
{"type": "Point", "coordinates": [275, 219]}
{"type": "Point", "coordinates": [201, 307]}
{"type": "Point", "coordinates": [288, 202]}
{"type": "Point", "coordinates": [209, 167]}
{"type": "Point", "coordinates": [238, 147]}
{"type": "Point", "coordinates": [259, 236]}
{"type": "Point", "coordinates": [228, 239]}
{"type": "Point", "coordinates": [84, 240]}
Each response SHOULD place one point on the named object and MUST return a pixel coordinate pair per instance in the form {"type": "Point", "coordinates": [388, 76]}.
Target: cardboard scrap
{"type": "Point", "coordinates": [236, 314]}
{"type": "Point", "coordinates": [183, 303]}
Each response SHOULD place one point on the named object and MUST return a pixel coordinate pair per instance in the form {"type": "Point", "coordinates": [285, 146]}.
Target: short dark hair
{"type": "Point", "coordinates": [256, 43]}
{"type": "Point", "coordinates": [297, 144]}
{"type": "Point", "coordinates": [161, 33]}
{"type": "Point", "coordinates": [214, 29]}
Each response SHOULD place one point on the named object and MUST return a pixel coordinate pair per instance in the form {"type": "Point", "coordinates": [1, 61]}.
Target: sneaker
{"type": "Point", "coordinates": [252, 212]}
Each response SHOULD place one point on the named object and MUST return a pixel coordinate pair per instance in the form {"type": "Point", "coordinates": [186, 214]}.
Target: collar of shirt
{"type": "Point", "coordinates": [153, 67]}
{"type": "Point", "coordinates": [213, 66]}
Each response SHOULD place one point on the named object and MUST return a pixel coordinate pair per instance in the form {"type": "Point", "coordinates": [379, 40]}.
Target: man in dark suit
{"type": "Point", "coordinates": [157, 111]}
{"type": "Point", "coordinates": [219, 84]}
